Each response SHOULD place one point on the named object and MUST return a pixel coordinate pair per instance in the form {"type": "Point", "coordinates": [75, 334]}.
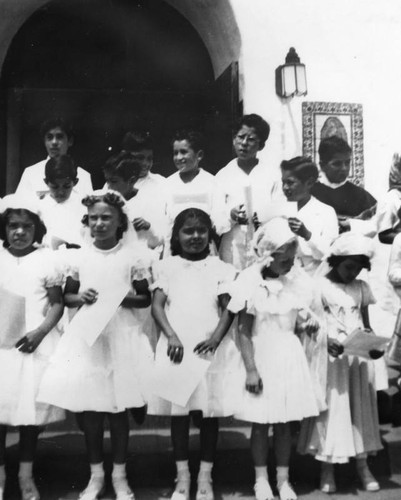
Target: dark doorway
{"type": "Point", "coordinates": [107, 66]}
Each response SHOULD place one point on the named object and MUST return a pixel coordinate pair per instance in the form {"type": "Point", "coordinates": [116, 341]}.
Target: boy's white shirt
{"type": "Point", "coordinates": [202, 192]}
{"type": "Point", "coordinates": [32, 180]}
{"type": "Point", "coordinates": [321, 220]}
{"type": "Point", "coordinates": [63, 220]}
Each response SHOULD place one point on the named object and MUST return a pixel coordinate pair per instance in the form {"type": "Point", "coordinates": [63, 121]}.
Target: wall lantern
{"type": "Point", "coordinates": [291, 76]}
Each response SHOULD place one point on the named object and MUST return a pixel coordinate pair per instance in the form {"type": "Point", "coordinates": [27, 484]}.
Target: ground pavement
{"type": "Point", "coordinates": [61, 469]}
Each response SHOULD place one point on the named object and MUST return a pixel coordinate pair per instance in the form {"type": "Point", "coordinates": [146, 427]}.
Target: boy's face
{"type": "Point", "coordinates": [57, 142]}
{"type": "Point", "coordinates": [60, 189]}
{"type": "Point", "coordinates": [118, 183]}
{"type": "Point", "coordinates": [337, 169]}
{"type": "Point", "coordinates": [246, 143]}
{"type": "Point", "coordinates": [185, 158]}
{"type": "Point", "coordinates": [293, 188]}
{"type": "Point", "coordinates": [145, 158]}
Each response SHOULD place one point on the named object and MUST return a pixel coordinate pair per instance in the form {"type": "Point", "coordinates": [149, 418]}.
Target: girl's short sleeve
{"type": "Point", "coordinates": [240, 291]}
{"type": "Point", "coordinates": [141, 267]}
{"type": "Point", "coordinates": [70, 262]}
{"type": "Point", "coordinates": [226, 275]}
{"type": "Point", "coordinates": [54, 272]}
{"type": "Point", "coordinates": [160, 276]}
{"type": "Point", "coordinates": [367, 294]}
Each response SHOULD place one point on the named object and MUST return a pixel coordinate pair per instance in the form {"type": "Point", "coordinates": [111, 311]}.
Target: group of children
{"type": "Point", "coordinates": [229, 295]}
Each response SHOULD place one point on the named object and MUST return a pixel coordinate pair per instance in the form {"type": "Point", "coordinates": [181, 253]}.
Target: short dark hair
{"type": "Point", "coordinates": [302, 167]}
{"type": "Point", "coordinates": [40, 228]}
{"type": "Point", "coordinates": [194, 137]}
{"type": "Point", "coordinates": [60, 168]}
{"type": "Point", "coordinates": [180, 220]}
{"type": "Point", "coordinates": [262, 128]}
{"type": "Point", "coordinates": [124, 165]}
{"type": "Point", "coordinates": [55, 122]}
{"type": "Point", "coordinates": [336, 260]}
{"type": "Point", "coordinates": [137, 140]}
{"type": "Point", "coordinates": [114, 200]}
{"type": "Point", "coordinates": [331, 146]}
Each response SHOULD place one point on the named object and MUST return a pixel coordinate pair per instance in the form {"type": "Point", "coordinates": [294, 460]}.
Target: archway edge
{"type": "Point", "coordinates": [214, 21]}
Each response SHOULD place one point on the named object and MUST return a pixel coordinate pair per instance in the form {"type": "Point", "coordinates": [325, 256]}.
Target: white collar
{"type": "Point", "coordinates": [333, 185]}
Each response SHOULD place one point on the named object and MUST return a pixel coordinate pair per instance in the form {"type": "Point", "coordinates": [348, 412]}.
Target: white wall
{"type": "Point", "coordinates": [352, 52]}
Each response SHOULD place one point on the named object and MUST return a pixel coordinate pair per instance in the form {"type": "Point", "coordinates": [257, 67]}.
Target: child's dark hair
{"type": "Point", "coordinates": [54, 123]}
{"type": "Point", "coordinates": [331, 146]}
{"type": "Point", "coordinates": [335, 260]}
{"type": "Point", "coordinates": [137, 140]}
{"type": "Point", "coordinates": [194, 137]}
{"type": "Point", "coordinates": [124, 165]}
{"type": "Point", "coordinates": [302, 167]}
{"type": "Point", "coordinates": [60, 168]}
{"type": "Point", "coordinates": [180, 220]}
{"type": "Point", "coordinates": [40, 228]}
{"type": "Point", "coordinates": [114, 200]}
{"type": "Point", "coordinates": [262, 128]}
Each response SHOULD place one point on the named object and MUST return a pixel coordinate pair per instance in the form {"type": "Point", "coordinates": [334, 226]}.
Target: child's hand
{"type": "Point", "coordinates": [89, 296]}
{"type": "Point", "coordinates": [376, 354]}
{"type": "Point", "coordinates": [298, 228]}
{"type": "Point", "coordinates": [253, 383]}
{"type": "Point", "coordinates": [206, 346]}
{"type": "Point", "coordinates": [238, 215]}
{"type": "Point", "coordinates": [30, 341]}
{"type": "Point", "coordinates": [334, 347]}
{"type": "Point", "coordinates": [141, 224]}
{"type": "Point", "coordinates": [256, 221]}
{"type": "Point", "coordinates": [175, 350]}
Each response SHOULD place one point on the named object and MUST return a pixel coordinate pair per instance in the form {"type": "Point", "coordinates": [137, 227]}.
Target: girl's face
{"type": "Point", "coordinates": [193, 238]}
{"type": "Point", "coordinates": [104, 221]}
{"type": "Point", "coordinates": [185, 158]}
{"type": "Point", "coordinates": [349, 269]}
{"type": "Point", "coordinates": [283, 259]}
{"type": "Point", "coordinates": [20, 234]}
{"type": "Point", "coordinates": [246, 143]}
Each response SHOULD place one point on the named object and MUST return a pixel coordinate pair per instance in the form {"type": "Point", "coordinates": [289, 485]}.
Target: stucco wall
{"type": "Point", "coordinates": [351, 49]}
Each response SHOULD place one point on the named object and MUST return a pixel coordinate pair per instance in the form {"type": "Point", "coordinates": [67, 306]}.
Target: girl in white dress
{"type": "Point", "coordinates": [32, 305]}
{"type": "Point", "coordinates": [100, 377]}
{"type": "Point", "coordinates": [273, 298]}
{"type": "Point", "coordinates": [349, 428]}
{"type": "Point", "coordinates": [189, 305]}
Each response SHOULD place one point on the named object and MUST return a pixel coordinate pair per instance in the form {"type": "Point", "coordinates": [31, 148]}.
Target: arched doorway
{"type": "Point", "coordinates": [109, 66]}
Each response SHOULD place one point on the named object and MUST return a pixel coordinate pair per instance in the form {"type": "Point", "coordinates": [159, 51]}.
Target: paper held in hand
{"type": "Point", "coordinates": [177, 382]}
{"type": "Point", "coordinates": [360, 342]}
{"type": "Point", "coordinates": [12, 318]}
{"type": "Point", "coordinates": [285, 209]}
{"type": "Point", "coordinates": [92, 319]}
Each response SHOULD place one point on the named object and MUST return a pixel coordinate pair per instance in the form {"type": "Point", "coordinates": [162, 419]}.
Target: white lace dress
{"type": "Point", "coordinates": [192, 308]}
{"type": "Point", "coordinates": [20, 374]}
{"type": "Point", "coordinates": [350, 427]}
{"type": "Point", "coordinates": [107, 376]}
{"type": "Point", "coordinates": [288, 390]}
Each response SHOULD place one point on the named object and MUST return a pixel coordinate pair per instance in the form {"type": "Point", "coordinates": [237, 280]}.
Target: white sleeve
{"type": "Point", "coordinates": [394, 271]}
{"type": "Point", "coordinates": [320, 242]}
{"type": "Point", "coordinates": [84, 185]}
{"type": "Point", "coordinates": [365, 227]}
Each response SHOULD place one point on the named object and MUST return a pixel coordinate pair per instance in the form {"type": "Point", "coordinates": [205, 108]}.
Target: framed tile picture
{"type": "Point", "coordinates": [324, 119]}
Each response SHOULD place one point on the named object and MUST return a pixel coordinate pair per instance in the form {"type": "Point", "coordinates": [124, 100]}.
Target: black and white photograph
{"type": "Point", "coordinates": [200, 258]}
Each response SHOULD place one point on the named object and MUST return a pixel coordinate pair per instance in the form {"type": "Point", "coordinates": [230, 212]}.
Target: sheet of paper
{"type": "Point", "coordinates": [12, 318]}
{"type": "Point", "coordinates": [359, 343]}
{"type": "Point", "coordinates": [91, 320]}
{"type": "Point", "coordinates": [177, 382]}
{"type": "Point", "coordinates": [278, 209]}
